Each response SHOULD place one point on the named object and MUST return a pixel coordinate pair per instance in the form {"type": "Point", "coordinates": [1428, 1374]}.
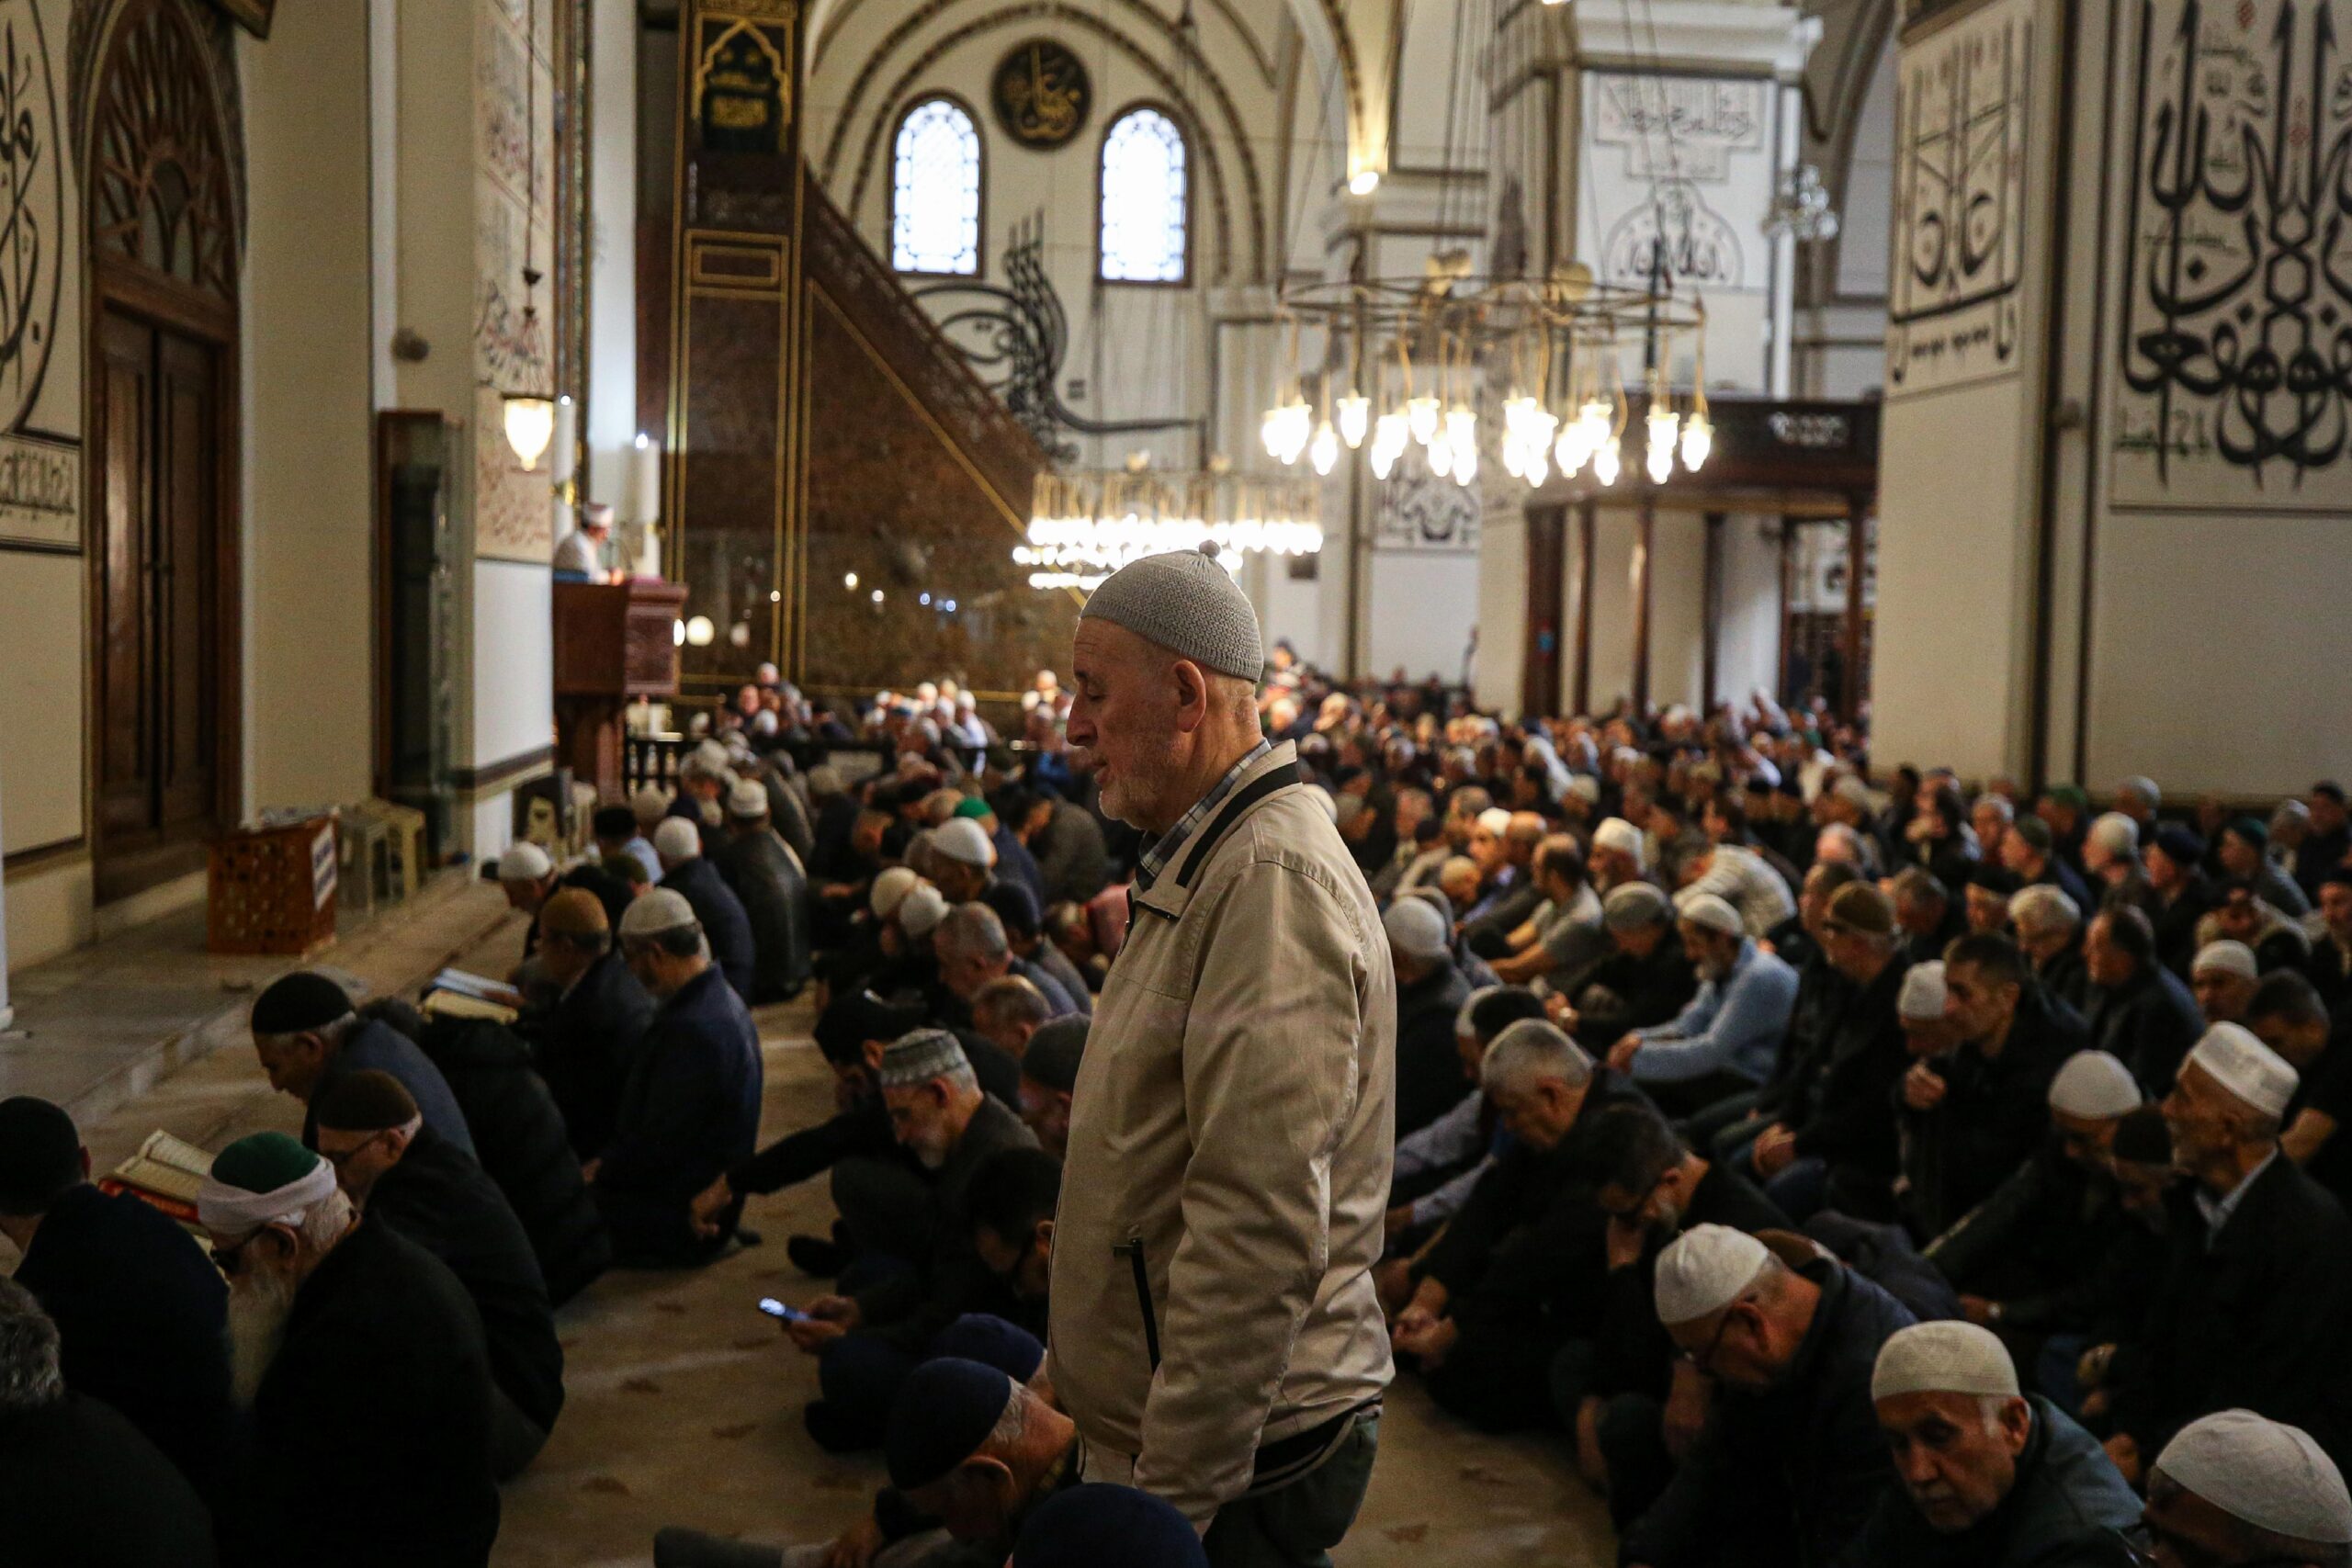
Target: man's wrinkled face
{"type": "Point", "coordinates": [1988, 912]}
{"type": "Point", "coordinates": [358, 1157]}
{"type": "Point", "coordinates": [919, 1120]}
{"type": "Point", "coordinates": [1124, 715]}
{"type": "Point", "coordinates": [1486, 849]}
{"type": "Point", "coordinates": [1992, 825]}
{"type": "Point", "coordinates": [1955, 1461]}
{"type": "Point", "coordinates": [2201, 1116]}
{"type": "Point", "coordinates": [1025, 1266]}
{"type": "Point", "coordinates": [1045, 1112]}
{"type": "Point", "coordinates": [977, 1501]}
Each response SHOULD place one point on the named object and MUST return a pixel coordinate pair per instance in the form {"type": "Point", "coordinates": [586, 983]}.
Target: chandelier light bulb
{"type": "Point", "coordinates": [1514, 454]}
{"type": "Point", "coordinates": [1270, 430]}
{"type": "Point", "coordinates": [1537, 470]}
{"type": "Point", "coordinates": [1606, 463]}
{"type": "Point", "coordinates": [1441, 456]}
{"type": "Point", "coordinates": [1462, 429]}
{"type": "Point", "coordinates": [1325, 450]}
{"type": "Point", "coordinates": [1698, 440]}
{"type": "Point", "coordinates": [1391, 432]}
{"type": "Point", "coordinates": [1384, 458]}
{"type": "Point", "coordinates": [1571, 452]}
{"type": "Point", "coordinates": [1421, 419]}
{"type": "Point", "coordinates": [1355, 419]}
{"type": "Point", "coordinates": [1663, 427]}
{"type": "Point", "coordinates": [1465, 465]}
{"type": "Point", "coordinates": [1661, 464]}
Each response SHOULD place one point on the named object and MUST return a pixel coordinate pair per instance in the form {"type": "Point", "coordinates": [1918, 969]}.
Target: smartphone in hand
{"type": "Point", "coordinates": [777, 1310]}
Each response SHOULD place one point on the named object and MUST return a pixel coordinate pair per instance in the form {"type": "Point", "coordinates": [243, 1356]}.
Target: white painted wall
{"type": "Point", "coordinates": [1749, 626]}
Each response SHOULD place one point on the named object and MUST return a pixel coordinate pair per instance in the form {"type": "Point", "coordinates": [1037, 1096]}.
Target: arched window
{"type": "Point", "coordinates": [935, 199]}
{"type": "Point", "coordinates": [1145, 208]}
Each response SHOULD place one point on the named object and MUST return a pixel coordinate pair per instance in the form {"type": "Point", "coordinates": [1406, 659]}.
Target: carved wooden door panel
{"type": "Point", "coordinates": [126, 657]}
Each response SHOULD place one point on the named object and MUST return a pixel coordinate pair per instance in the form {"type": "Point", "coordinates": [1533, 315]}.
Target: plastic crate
{"type": "Point", "coordinates": [272, 890]}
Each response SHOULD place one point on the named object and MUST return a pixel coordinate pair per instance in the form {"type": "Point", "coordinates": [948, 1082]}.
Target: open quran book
{"type": "Point", "coordinates": [166, 1172]}
{"type": "Point", "coordinates": [453, 993]}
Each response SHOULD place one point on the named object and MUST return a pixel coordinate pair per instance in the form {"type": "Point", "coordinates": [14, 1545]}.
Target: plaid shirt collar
{"type": "Point", "coordinates": [1163, 849]}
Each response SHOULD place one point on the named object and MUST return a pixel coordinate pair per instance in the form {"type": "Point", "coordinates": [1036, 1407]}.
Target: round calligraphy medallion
{"type": "Point", "coordinates": [1042, 94]}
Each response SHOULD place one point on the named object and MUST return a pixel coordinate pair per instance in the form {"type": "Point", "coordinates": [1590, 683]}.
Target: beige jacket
{"type": "Point", "coordinates": [1232, 1116]}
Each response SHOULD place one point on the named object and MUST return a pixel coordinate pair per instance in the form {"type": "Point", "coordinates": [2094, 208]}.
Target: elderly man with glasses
{"type": "Point", "coordinates": [1792, 1462]}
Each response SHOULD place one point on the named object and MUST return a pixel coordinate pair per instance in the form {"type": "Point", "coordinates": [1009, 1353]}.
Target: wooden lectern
{"type": "Point", "coordinates": [612, 645]}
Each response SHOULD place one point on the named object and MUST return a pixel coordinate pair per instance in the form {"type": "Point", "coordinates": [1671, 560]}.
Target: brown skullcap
{"type": "Point", "coordinates": [365, 1102]}
{"type": "Point", "coordinates": [1861, 906]}
{"type": "Point", "coordinates": [574, 913]}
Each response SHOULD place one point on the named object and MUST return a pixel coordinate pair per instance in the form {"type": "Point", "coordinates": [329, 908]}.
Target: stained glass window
{"type": "Point", "coordinates": [936, 211]}
{"type": "Point", "coordinates": [1144, 205]}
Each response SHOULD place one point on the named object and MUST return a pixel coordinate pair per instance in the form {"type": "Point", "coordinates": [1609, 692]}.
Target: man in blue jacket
{"type": "Point", "coordinates": [1990, 1479]}
{"type": "Point", "coordinates": [726, 926]}
{"type": "Point", "coordinates": [692, 1107]}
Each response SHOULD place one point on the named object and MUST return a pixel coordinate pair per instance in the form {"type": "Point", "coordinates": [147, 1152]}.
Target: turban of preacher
{"type": "Point", "coordinates": [265, 1180]}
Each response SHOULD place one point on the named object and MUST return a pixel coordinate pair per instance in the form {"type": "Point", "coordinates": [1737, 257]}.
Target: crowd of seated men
{"type": "Point", "coordinates": [1844, 1168]}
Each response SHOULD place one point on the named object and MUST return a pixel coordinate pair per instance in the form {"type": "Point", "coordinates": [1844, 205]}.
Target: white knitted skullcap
{"type": "Point", "coordinates": [1495, 820]}
{"type": "Point", "coordinates": [920, 911]}
{"type": "Point", "coordinates": [1618, 834]}
{"type": "Point", "coordinates": [2095, 1087]}
{"type": "Point", "coordinates": [1710, 912]}
{"type": "Point", "coordinates": [1944, 1358]}
{"type": "Point", "coordinates": [1416, 930]}
{"type": "Point", "coordinates": [523, 862]}
{"type": "Point", "coordinates": [1585, 787]}
{"type": "Point", "coordinates": [889, 888]}
{"type": "Point", "coordinates": [2229, 957]}
{"type": "Point", "coordinates": [748, 799]}
{"type": "Point", "coordinates": [2115, 833]}
{"type": "Point", "coordinates": [2267, 1474]}
{"type": "Point", "coordinates": [2251, 1072]}
{"type": "Point", "coordinates": [647, 804]}
{"type": "Point", "coordinates": [1187, 603]}
{"type": "Point", "coordinates": [1705, 1269]}
{"type": "Point", "coordinates": [2146, 788]}
{"type": "Point", "coordinates": [657, 910]}
{"type": "Point", "coordinates": [1922, 997]}
{"type": "Point", "coordinates": [677, 838]}
{"type": "Point", "coordinates": [964, 841]}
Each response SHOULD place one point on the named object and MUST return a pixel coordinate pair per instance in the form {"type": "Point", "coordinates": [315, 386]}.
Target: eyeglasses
{"type": "Point", "coordinates": [337, 1159]}
{"type": "Point", "coordinates": [1704, 1360]}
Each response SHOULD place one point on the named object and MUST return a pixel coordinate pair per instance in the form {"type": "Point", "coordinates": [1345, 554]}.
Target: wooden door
{"type": "Point", "coordinates": [1539, 684]}
{"type": "Point", "coordinates": [158, 655]}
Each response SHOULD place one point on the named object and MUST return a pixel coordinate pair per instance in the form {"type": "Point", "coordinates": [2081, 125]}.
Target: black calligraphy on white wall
{"type": "Point", "coordinates": [2236, 332]}
{"type": "Point", "coordinates": [32, 219]}
{"type": "Point", "coordinates": [1417, 511]}
{"type": "Point", "coordinates": [1960, 192]}
{"type": "Point", "coordinates": [1675, 230]}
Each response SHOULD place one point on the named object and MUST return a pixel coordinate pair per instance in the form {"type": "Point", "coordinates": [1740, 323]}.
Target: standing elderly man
{"type": "Point", "coordinates": [362, 1361]}
{"type": "Point", "coordinates": [1218, 1339]}
{"type": "Point", "coordinates": [1991, 1478]}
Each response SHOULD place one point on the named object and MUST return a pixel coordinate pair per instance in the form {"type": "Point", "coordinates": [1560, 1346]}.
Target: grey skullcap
{"type": "Point", "coordinates": [1944, 1358]}
{"type": "Point", "coordinates": [1633, 905]}
{"type": "Point", "coordinates": [2271, 1475]}
{"type": "Point", "coordinates": [1187, 603]}
{"type": "Point", "coordinates": [918, 1057]}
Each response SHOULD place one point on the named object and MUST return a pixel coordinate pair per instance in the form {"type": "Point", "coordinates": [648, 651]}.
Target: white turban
{"type": "Point", "coordinates": [1944, 1358]}
{"type": "Point", "coordinates": [920, 911]}
{"type": "Point", "coordinates": [893, 885]}
{"type": "Point", "coordinates": [2250, 1071]}
{"type": "Point", "coordinates": [1495, 820]}
{"type": "Point", "coordinates": [2096, 1087]}
{"type": "Point", "coordinates": [2269, 1474]}
{"type": "Point", "coordinates": [1705, 1269]}
{"type": "Point", "coordinates": [232, 1210]}
{"type": "Point", "coordinates": [525, 861]}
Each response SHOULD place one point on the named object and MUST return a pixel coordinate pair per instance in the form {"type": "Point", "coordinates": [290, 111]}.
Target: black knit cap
{"type": "Point", "coordinates": [300, 1001]}
{"type": "Point", "coordinates": [943, 1412]}
{"type": "Point", "coordinates": [1054, 1054]}
{"type": "Point", "coordinates": [853, 1018]}
{"type": "Point", "coordinates": [40, 1155]}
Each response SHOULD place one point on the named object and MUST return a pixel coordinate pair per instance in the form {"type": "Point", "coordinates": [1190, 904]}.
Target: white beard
{"type": "Point", "coordinates": [259, 1304]}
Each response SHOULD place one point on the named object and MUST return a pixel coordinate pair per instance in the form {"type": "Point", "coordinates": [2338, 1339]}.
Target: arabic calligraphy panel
{"type": "Point", "coordinates": [2235, 345]}
{"type": "Point", "coordinates": [1677, 127]}
{"type": "Point", "coordinates": [1042, 94]}
{"type": "Point", "coordinates": [1960, 192]}
{"type": "Point", "coordinates": [1422, 513]}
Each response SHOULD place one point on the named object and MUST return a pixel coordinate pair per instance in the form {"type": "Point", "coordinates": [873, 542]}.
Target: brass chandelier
{"type": "Point", "coordinates": [1405, 363]}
